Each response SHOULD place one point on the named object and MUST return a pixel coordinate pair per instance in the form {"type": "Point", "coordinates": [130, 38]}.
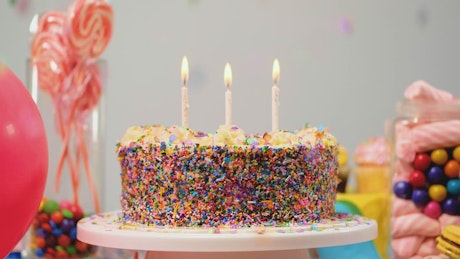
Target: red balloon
{"type": "Point", "coordinates": [23, 159]}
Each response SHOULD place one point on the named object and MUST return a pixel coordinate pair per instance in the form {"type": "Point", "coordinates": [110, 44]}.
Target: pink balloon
{"type": "Point", "coordinates": [23, 159]}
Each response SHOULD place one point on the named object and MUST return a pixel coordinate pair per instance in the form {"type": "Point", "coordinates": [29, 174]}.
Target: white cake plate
{"type": "Point", "coordinates": [106, 230]}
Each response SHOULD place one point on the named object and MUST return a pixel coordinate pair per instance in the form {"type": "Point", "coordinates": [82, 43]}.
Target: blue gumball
{"type": "Point", "coordinates": [451, 206]}
{"type": "Point", "coordinates": [453, 187]}
{"type": "Point", "coordinates": [420, 197]}
{"type": "Point", "coordinates": [402, 189]}
{"type": "Point", "coordinates": [435, 175]}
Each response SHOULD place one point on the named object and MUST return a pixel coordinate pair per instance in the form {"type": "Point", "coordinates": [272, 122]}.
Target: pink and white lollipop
{"type": "Point", "coordinates": [50, 57]}
{"type": "Point", "coordinates": [89, 27]}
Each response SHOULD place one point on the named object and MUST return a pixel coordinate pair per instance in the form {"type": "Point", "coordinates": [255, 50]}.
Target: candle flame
{"type": "Point", "coordinates": [276, 70]}
{"type": "Point", "coordinates": [184, 70]}
{"type": "Point", "coordinates": [228, 75]}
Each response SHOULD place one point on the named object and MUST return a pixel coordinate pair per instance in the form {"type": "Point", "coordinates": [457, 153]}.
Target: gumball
{"type": "Point", "coordinates": [65, 204]}
{"type": "Point", "coordinates": [432, 210]}
{"type": "Point", "coordinates": [437, 192]}
{"type": "Point", "coordinates": [46, 227]}
{"type": "Point", "coordinates": [420, 197]}
{"type": "Point", "coordinates": [422, 161]}
{"type": "Point", "coordinates": [67, 225]}
{"type": "Point", "coordinates": [42, 203]}
{"type": "Point", "coordinates": [402, 189]}
{"type": "Point", "coordinates": [39, 252]}
{"type": "Point", "coordinates": [456, 153]}
{"type": "Point", "coordinates": [453, 187]}
{"type": "Point", "coordinates": [50, 251]}
{"type": "Point", "coordinates": [57, 232]}
{"type": "Point", "coordinates": [64, 240]}
{"type": "Point", "coordinates": [43, 217]}
{"type": "Point", "coordinates": [451, 206]}
{"type": "Point", "coordinates": [50, 241]}
{"type": "Point", "coordinates": [61, 254]}
{"type": "Point", "coordinates": [417, 179]}
{"type": "Point", "coordinates": [76, 211]}
{"type": "Point", "coordinates": [50, 207]}
{"type": "Point", "coordinates": [57, 217]}
{"type": "Point", "coordinates": [81, 247]}
{"type": "Point", "coordinates": [435, 175]}
{"type": "Point", "coordinates": [439, 156]}
{"type": "Point", "coordinates": [40, 242]}
{"type": "Point", "coordinates": [452, 169]}
{"type": "Point", "coordinates": [67, 214]}
{"type": "Point", "coordinates": [71, 250]}
{"type": "Point", "coordinates": [73, 233]}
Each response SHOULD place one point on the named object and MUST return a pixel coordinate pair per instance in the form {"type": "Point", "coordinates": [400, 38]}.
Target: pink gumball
{"type": "Point", "coordinates": [23, 159]}
{"type": "Point", "coordinates": [65, 204]}
{"type": "Point", "coordinates": [433, 210]}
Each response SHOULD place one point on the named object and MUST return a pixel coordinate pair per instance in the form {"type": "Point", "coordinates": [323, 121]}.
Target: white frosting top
{"type": "Point", "coordinates": [226, 135]}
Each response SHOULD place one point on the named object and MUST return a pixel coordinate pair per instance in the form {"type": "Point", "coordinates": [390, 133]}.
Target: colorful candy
{"type": "Point", "coordinates": [452, 169]}
{"type": "Point", "coordinates": [417, 179]}
{"type": "Point", "coordinates": [456, 153]}
{"type": "Point", "coordinates": [453, 187]}
{"type": "Point", "coordinates": [435, 175]}
{"type": "Point", "coordinates": [437, 192]}
{"type": "Point", "coordinates": [422, 161]}
{"type": "Point", "coordinates": [54, 235]}
{"type": "Point", "coordinates": [439, 156]}
{"type": "Point", "coordinates": [402, 189]}
{"type": "Point", "coordinates": [433, 210]}
{"type": "Point", "coordinates": [451, 206]}
{"type": "Point", "coordinates": [420, 197]}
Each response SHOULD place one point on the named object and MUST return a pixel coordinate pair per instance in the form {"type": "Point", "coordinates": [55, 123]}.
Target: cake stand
{"type": "Point", "coordinates": [106, 230]}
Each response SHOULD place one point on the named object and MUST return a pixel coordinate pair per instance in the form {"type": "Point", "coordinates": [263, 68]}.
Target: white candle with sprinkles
{"type": "Point", "coordinates": [185, 104]}
{"type": "Point", "coordinates": [275, 96]}
{"type": "Point", "coordinates": [228, 94]}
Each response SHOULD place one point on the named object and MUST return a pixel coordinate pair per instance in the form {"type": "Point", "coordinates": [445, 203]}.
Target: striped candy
{"type": "Point", "coordinates": [90, 27]}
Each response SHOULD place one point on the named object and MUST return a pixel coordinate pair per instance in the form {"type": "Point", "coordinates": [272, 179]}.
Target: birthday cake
{"type": "Point", "coordinates": [178, 177]}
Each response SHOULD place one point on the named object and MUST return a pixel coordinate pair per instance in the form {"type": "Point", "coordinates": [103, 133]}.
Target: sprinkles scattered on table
{"type": "Point", "coordinates": [178, 178]}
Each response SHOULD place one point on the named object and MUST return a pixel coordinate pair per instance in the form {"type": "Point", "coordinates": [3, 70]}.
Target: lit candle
{"type": "Point", "coordinates": [185, 105]}
{"type": "Point", "coordinates": [275, 96]}
{"type": "Point", "coordinates": [228, 94]}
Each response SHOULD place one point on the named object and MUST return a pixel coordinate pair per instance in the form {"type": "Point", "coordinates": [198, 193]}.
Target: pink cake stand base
{"type": "Point", "coordinates": [106, 230]}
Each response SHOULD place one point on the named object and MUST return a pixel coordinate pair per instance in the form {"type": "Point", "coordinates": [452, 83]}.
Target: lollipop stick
{"type": "Point", "coordinates": [64, 154]}
{"type": "Point", "coordinates": [84, 153]}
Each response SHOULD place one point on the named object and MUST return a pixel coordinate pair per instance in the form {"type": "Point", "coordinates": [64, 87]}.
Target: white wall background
{"type": "Point", "coordinates": [343, 64]}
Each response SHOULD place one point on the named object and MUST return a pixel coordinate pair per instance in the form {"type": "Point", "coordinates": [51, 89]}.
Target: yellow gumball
{"type": "Point", "coordinates": [42, 203]}
{"type": "Point", "coordinates": [456, 153]}
{"type": "Point", "coordinates": [439, 156]}
{"type": "Point", "coordinates": [437, 192]}
{"type": "Point", "coordinates": [342, 156]}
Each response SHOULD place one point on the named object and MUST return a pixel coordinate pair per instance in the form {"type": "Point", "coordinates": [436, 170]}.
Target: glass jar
{"type": "Point", "coordinates": [425, 139]}
{"type": "Point", "coordinates": [74, 122]}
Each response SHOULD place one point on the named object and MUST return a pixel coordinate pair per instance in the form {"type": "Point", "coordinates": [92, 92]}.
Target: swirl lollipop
{"type": "Point", "coordinates": [52, 21]}
{"type": "Point", "coordinates": [50, 56]}
{"type": "Point", "coordinates": [90, 27]}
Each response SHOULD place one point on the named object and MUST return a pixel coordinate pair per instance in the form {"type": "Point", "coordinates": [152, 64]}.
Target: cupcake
{"type": "Point", "coordinates": [372, 159]}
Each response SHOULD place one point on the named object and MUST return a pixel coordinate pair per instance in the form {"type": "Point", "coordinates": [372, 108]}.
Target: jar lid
{"type": "Point", "coordinates": [423, 110]}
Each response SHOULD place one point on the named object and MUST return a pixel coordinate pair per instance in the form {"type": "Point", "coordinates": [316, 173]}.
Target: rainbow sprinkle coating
{"type": "Point", "coordinates": [253, 182]}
